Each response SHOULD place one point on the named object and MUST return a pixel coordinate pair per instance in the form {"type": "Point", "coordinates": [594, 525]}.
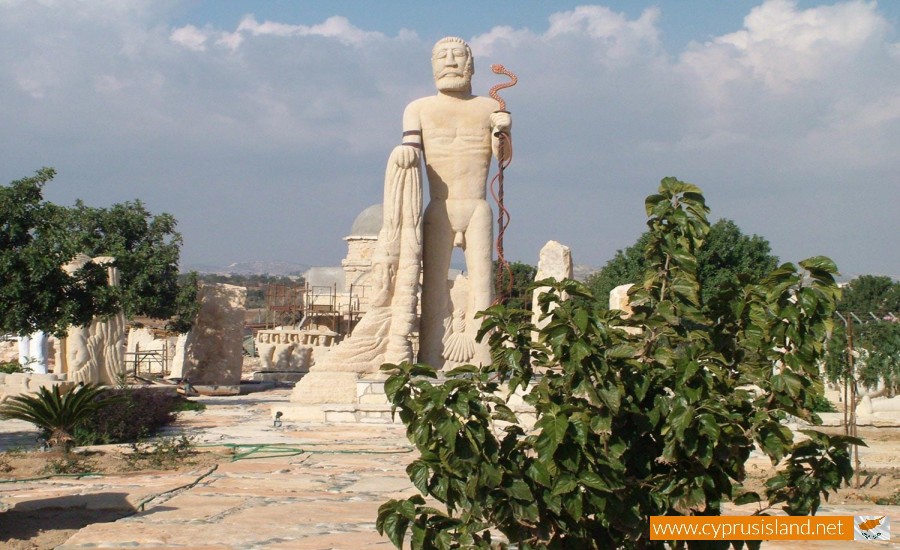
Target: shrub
{"type": "Point", "coordinates": [57, 413]}
{"type": "Point", "coordinates": [13, 367]}
{"type": "Point", "coordinates": [650, 421]}
{"type": "Point", "coordinates": [184, 404]}
{"type": "Point", "coordinates": [821, 404]}
{"type": "Point", "coordinates": [138, 413]}
{"type": "Point", "coordinates": [164, 453]}
{"type": "Point", "coordinates": [67, 464]}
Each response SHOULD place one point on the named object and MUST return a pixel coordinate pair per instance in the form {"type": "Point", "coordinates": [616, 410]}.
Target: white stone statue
{"type": "Point", "coordinates": [458, 132]}
{"type": "Point", "coordinates": [95, 353]}
{"type": "Point", "coordinates": [455, 134]}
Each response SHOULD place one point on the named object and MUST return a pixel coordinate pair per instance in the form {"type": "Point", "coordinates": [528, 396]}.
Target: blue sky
{"type": "Point", "coordinates": [681, 21]}
{"type": "Point", "coordinates": [263, 127]}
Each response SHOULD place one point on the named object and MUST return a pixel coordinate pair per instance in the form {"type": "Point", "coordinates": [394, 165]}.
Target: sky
{"type": "Point", "coordinates": [264, 127]}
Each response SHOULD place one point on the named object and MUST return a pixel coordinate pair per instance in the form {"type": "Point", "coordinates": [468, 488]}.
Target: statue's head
{"type": "Point", "coordinates": [452, 64]}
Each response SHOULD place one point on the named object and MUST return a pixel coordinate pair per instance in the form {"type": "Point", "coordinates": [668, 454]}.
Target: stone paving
{"type": "Point", "coordinates": [297, 486]}
{"type": "Point", "coordinates": [300, 486]}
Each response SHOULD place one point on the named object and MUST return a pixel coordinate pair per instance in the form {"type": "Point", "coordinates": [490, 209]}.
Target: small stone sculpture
{"type": "Point", "coordinates": [93, 354]}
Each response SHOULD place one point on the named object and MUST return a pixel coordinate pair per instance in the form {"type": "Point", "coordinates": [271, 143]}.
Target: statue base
{"type": "Point", "coordinates": [338, 397]}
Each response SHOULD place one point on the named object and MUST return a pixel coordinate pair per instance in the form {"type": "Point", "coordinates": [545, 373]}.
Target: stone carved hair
{"type": "Point", "coordinates": [469, 69]}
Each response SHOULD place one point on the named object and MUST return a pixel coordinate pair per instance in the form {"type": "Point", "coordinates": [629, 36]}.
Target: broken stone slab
{"type": "Point", "coordinates": [214, 347]}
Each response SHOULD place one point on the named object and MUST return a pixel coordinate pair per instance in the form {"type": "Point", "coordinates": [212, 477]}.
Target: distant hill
{"type": "Point", "coordinates": [580, 272]}
{"type": "Point", "coordinates": [287, 268]}
{"type": "Point", "coordinates": [250, 268]}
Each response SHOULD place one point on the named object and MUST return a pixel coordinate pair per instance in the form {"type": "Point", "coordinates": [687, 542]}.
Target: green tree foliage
{"type": "Point", "coordinates": [519, 296]}
{"type": "Point", "coordinates": [725, 255]}
{"type": "Point", "coordinates": [874, 294]}
{"type": "Point", "coordinates": [881, 362]}
{"type": "Point", "coordinates": [627, 266]}
{"type": "Point", "coordinates": [146, 249]}
{"type": "Point", "coordinates": [35, 292]}
{"type": "Point", "coordinates": [658, 420]}
{"type": "Point", "coordinates": [877, 356]}
{"type": "Point", "coordinates": [876, 340]}
{"type": "Point", "coordinates": [37, 237]}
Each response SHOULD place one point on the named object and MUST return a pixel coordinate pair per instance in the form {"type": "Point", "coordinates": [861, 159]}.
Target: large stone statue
{"type": "Point", "coordinates": [458, 132]}
{"type": "Point", "coordinates": [454, 133]}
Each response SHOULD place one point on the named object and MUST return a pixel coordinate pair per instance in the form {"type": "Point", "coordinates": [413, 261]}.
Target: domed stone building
{"type": "Point", "coordinates": [360, 247]}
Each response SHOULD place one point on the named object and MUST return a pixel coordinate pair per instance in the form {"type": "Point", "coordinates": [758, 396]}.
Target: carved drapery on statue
{"type": "Point", "coordinates": [93, 354]}
{"type": "Point", "coordinates": [383, 335]}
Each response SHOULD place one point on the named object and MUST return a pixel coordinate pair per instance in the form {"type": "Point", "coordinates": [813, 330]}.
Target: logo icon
{"type": "Point", "coordinates": [871, 528]}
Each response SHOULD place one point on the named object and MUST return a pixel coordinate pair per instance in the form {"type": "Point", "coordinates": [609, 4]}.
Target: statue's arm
{"type": "Point", "coordinates": [403, 163]}
{"type": "Point", "coordinates": [501, 123]}
{"type": "Point", "coordinates": [406, 156]}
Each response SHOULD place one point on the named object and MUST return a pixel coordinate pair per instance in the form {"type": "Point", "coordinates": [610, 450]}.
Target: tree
{"type": "Point", "coordinates": [874, 294]}
{"type": "Point", "coordinates": [519, 295]}
{"type": "Point", "coordinates": [35, 292]}
{"type": "Point", "coordinates": [37, 237]}
{"type": "Point", "coordinates": [876, 340]}
{"type": "Point", "coordinates": [726, 254]}
{"type": "Point", "coordinates": [629, 424]}
{"type": "Point", "coordinates": [627, 266]}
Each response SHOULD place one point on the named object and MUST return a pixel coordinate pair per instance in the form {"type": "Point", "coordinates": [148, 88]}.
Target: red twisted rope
{"type": "Point", "coordinates": [503, 287]}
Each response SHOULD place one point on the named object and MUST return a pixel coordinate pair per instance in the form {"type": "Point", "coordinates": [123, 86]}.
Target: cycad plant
{"type": "Point", "coordinates": [56, 412]}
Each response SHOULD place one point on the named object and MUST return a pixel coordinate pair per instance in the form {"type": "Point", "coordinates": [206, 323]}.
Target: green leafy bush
{"type": "Point", "coordinates": [12, 367]}
{"type": "Point", "coordinates": [139, 413]}
{"type": "Point", "coordinates": [163, 453]}
{"type": "Point", "coordinates": [654, 414]}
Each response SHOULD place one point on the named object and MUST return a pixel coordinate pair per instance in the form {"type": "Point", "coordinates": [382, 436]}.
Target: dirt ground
{"type": "Point", "coordinates": [25, 530]}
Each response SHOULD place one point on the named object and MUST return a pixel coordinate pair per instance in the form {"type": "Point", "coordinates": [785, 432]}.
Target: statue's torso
{"type": "Point", "coordinates": [456, 134]}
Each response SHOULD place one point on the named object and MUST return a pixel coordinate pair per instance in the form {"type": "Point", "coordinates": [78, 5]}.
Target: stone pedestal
{"type": "Point", "coordinates": [343, 397]}
{"type": "Point", "coordinates": [321, 388]}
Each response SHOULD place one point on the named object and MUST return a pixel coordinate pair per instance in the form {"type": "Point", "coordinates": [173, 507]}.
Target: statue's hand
{"type": "Point", "coordinates": [405, 156]}
{"type": "Point", "coordinates": [501, 122]}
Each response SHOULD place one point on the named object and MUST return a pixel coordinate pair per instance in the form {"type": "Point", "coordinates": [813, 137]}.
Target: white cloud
{"type": "Point", "coordinates": [500, 37]}
{"type": "Point", "coordinates": [231, 40]}
{"type": "Point", "coordinates": [783, 46]}
{"type": "Point", "coordinates": [290, 124]}
{"type": "Point", "coordinates": [334, 27]}
{"type": "Point", "coordinates": [613, 37]}
{"type": "Point", "coordinates": [190, 37]}
{"type": "Point", "coordinates": [600, 22]}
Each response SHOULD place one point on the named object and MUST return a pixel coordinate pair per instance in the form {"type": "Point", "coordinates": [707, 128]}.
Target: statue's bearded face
{"type": "Point", "coordinates": [452, 65]}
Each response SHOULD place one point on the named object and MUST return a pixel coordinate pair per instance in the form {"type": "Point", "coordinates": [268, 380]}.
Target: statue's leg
{"type": "Point", "coordinates": [437, 250]}
{"type": "Point", "coordinates": [479, 254]}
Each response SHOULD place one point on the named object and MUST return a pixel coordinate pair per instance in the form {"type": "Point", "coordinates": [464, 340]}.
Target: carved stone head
{"type": "Point", "coordinates": [452, 65]}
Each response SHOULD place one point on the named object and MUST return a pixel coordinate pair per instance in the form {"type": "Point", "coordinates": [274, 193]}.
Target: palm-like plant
{"type": "Point", "coordinates": [55, 412]}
